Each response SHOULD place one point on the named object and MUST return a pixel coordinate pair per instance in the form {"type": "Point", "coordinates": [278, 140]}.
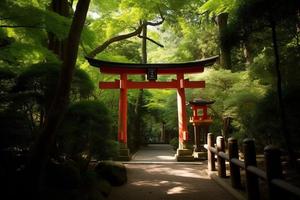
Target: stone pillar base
{"type": "Point", "coordinates": [124, 155]}
{"type": "Point", "coordinates": [200, 155]}
{"type": "Point", "coordinates": [184, 155]}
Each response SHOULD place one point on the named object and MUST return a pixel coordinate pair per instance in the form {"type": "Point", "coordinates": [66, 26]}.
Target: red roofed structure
{"type": "Point", "coordinates": [152, 70]}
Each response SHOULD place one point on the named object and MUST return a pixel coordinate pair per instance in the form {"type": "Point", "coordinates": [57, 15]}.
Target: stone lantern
{"type": "Point", "coordinates": [201, 122]}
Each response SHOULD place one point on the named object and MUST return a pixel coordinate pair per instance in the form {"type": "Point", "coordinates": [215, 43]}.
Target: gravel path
{"type": "Point", "coordinates": [153, 175]}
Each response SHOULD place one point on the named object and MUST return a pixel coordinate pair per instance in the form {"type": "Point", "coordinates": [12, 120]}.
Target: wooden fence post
{"type": "Point", "coordinates": [252, 186]}
{"type": "Point", "coordinates": [210, 155]}
{"type": "Point", "coordinates": [233, 152]}
{"type": "Point", "coordinates": [273, 170]}
{"type": "Point", "coordinates": [221, 161]}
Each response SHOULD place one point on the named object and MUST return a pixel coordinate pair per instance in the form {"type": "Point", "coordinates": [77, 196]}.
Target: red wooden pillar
{"type": "Point", "coordinates": [122, 132]}
{"type": "Point", "coordinates": [182, 116]}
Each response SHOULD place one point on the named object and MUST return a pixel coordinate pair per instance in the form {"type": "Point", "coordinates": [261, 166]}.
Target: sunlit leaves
{"type": "Point", "coordinates": [101, 7]}
{"type": "Point", "coordinates": [57, 24]}
{"type": "Point", "coordinates": [28, 24]}
{"type": "Point", "coordinates": [158, 99]}
{"type": "Point", "coordinates": [131, 15]}
{"type": "Point", "coordinates": [24, 53]}
{"type": "Point", "coordinates": [216, 7]}
{"type": "Point", "coordinates": [29, 16]}
{"type": "Point", "coordinates": [147, 6]}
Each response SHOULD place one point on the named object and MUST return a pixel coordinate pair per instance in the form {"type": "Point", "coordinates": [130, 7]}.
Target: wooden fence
{"type": "Point", "coordinates": [277, 187]}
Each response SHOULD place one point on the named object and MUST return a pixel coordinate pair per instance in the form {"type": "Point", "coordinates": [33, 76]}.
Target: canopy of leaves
{"type": "Point", "coordinates": [28, 24]}
{"type": "Point", "coordinates": [216, 7]}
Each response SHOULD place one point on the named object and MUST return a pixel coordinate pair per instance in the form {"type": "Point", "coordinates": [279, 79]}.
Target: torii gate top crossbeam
{"type": "Point", "coordinates": [160, 68]}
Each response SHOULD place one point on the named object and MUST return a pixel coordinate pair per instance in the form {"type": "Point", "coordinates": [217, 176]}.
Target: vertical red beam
{"type": "Point", "coordinates": [122, 132]}
{"type": "Point", "coordinates": [181, 105]}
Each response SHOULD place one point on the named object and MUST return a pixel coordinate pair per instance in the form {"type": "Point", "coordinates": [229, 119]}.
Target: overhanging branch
{"type": "Point", "coordinates": [114, 39]}
{"type": "Point", "coordinates": [137, 32]}
{"type": "Point", "coordinates": [20, 26]}
{"type": "Point", "coordinates": [157, 23]}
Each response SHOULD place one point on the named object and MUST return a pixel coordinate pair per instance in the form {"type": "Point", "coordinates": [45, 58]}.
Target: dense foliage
{"type": "Point", "coordinates": [255, 84]}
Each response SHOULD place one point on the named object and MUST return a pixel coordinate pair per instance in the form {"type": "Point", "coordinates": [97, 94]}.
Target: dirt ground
{"type": "Point", "coordinates": [153, 174]}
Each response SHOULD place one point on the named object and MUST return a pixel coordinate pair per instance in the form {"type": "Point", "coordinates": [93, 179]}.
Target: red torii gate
{"type": "Point", "coordinates": [152, 70]}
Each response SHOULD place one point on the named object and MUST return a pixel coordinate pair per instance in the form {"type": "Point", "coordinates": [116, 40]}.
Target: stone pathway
{"type": "Point", "coordinates": [155, 153]}
{"type": "Point", "coordinates": [153, 174]}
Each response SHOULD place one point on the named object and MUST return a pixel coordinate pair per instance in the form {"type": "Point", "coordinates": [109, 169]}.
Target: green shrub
{"type": "Point", "coordinates": [114, 173]}
{"type": "Point", "coordinates": [86, 130]}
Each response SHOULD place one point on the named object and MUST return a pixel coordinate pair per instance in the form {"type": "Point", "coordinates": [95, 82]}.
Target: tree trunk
{"type": "Point", "coordinates": [247, 52]}
{"type": "Point", "coordinates": [139, 101]}
{"type": "Point", "coordinates": [144, 43]}
{"type": "Point", "coordinates": [284, 128]}
{"type": "Point", "coordinates": [60, 7]}
{"type": "Point", "coordinates": [45, 142]}
{"type": "Point", "coordinates": [225, 59]}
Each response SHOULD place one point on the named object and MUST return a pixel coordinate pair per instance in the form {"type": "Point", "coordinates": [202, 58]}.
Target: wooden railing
{"type": "Point", "coordinates": [277, 187]}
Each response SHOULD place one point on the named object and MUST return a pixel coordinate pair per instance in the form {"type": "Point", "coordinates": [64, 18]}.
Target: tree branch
{"type": "Point", "coordinates": [114, 39]}
{"type": "Point", "coordinates": [20, 26]}
{"type": "Point", "coordinates": [5, 18]}
{"type": "Point", "coordinates": [137, 32]}
{"type": "Point", "coordinates": [151, 40]}
{"type": "Point", "coordinates": [46, 140]}
{"type": "Point", "coordinates": [157, 23]}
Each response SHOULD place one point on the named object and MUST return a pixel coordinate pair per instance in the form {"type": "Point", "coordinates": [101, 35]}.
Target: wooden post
{"type": "Point", "coordinates": [124, 154]}
{"type": "Point", "coordinates": [234, 170]}
{"type": "Point", "coordinates": [197, 138]}
{"type": "Point", "coordinates": [122, 133]}
{"type": "Point", "coordinates": [210, 155]}
{"type": "Point", "coordinates": [221, 161]}
{"type": "Point", "coordinates": [182, 116]}
{"type": "Point", "coordinates": [252, 187]}
{"type": "Point", "coordinates": [274, 170]}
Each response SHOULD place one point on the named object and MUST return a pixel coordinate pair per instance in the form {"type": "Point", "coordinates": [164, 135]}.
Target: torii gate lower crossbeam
{"type": "Point", "coordinates": [123, 84]}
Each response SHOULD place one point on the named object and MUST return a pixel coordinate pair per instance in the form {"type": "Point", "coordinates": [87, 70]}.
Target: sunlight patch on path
{"type": "Point", "coordinates": [184, 172]}
{"type": "Point", "coordinates": [154, 174]}
{"type": "Point", "coordinates": [176, 190]}
{"type": "Point", "coordinates": [155, 152]}
{"type": "Point", "coordinates": [165, 157]}
{"type": "Point", "coordinates": [168, 182]}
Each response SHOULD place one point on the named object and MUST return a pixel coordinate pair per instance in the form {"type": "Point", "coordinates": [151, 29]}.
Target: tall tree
{"type": "Point", "coordinates": [55, 44]}
{"type": "Point", "coordinates": [266, 15]}
{"type": "Point", "coordinates": [222, 21]}
{"type": "Point", "coordinates": [139, 101]}
{"type": "Point", "coordinates": [141, 32]}
{"type": "Point", "coordinates": [221, 9]}
{"type": "Point", "coordinates": [45, 142]}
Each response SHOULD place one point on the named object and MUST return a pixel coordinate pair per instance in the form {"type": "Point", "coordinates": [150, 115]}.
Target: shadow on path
{"type": "Point", "coordinates": [159, 178]}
